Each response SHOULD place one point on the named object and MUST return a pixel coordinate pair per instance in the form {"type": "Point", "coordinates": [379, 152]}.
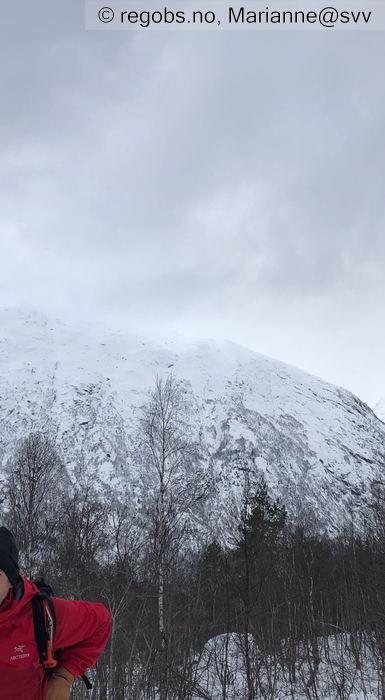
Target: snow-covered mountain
{"type": "Point", "coordinates": [318, 445]}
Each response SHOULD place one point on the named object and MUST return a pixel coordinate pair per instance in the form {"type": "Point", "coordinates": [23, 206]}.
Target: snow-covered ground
{"type": "Point", "coordinates": [221, 670]}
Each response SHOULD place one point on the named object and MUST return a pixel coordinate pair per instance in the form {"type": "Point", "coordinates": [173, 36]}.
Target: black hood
{"type": "Point", "coordinates": [9, 555]}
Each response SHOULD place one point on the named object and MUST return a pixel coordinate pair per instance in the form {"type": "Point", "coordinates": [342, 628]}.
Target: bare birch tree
{"type": "Point", "coordinates": [172, 476]}
{"type": "Point", "coordinates": [35, 475]}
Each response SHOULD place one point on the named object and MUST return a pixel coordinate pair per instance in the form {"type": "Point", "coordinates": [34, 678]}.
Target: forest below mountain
{"type": "Point", "coordinates": [280, 608]}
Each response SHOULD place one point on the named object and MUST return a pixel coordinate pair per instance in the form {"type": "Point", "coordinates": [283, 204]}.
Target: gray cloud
{"type": "Point", "coordinates": [223, 184]}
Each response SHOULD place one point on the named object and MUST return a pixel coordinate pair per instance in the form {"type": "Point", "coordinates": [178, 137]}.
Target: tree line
{"type": "Point", "coordinates": [285, 590]}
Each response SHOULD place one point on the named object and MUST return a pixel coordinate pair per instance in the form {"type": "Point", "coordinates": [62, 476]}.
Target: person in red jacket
{"type": "Point", "coordinates": [82, 632]}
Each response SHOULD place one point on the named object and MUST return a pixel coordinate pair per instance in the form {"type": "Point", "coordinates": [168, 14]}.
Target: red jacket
{"type": "Point", "coordinates": [82, 632]}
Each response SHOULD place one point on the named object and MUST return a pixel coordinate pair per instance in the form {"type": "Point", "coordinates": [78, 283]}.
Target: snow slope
{"type": "Point", "coordinates": [318, 445]}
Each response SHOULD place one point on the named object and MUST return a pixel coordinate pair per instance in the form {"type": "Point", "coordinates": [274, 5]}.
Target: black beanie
{"type": "Point", "coordinates": [9, 555]}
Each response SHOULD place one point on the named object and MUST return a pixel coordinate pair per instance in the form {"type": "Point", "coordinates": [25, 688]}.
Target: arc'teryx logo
{"type": "Point", "coordinates": [18, 649]}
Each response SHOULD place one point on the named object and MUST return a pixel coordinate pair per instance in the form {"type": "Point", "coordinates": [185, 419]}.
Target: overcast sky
{"type": "Point", "coordinates": [209, 184]}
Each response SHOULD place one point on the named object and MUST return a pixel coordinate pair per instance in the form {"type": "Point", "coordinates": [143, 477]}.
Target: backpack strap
{"type": "Point", "coordinates": [44, 620]}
